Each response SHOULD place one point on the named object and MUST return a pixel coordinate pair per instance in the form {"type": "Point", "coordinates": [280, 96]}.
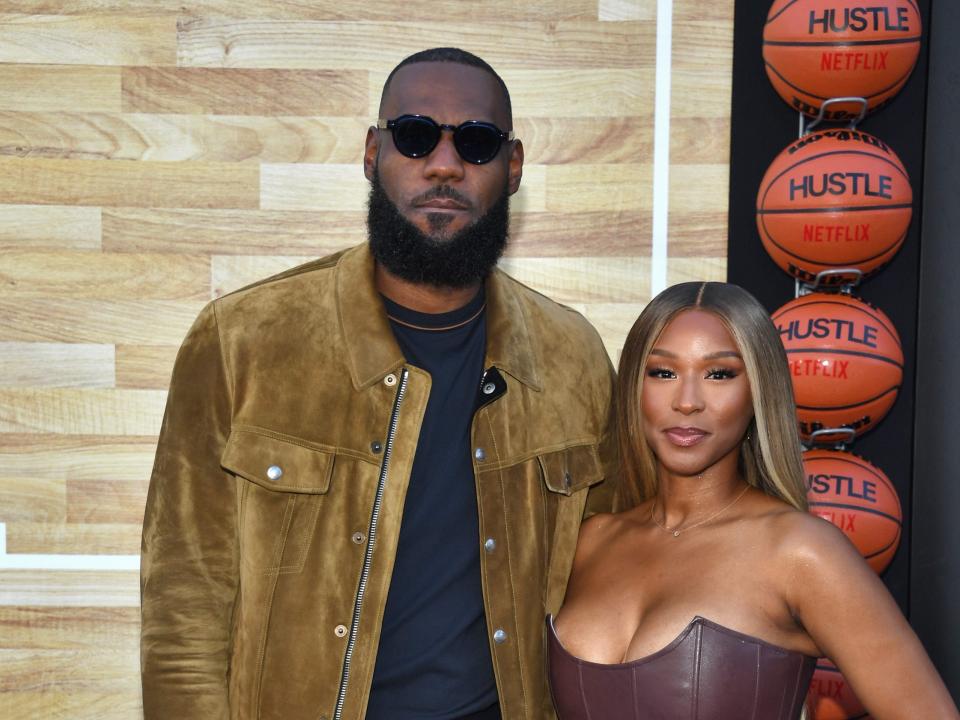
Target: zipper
{"type": "Point", "coordinates": [368, 554]}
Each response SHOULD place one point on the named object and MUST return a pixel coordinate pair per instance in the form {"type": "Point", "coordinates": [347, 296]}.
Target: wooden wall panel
{"type": "Point", "coordinates": [155, 154]}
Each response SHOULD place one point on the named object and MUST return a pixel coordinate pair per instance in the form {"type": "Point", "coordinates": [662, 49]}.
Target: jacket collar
{"type": "Point", "coordinates": [373, 352]}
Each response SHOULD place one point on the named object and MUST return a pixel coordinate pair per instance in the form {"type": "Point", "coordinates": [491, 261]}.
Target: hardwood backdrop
{"type": "Point", "coordinates": [155, 154]}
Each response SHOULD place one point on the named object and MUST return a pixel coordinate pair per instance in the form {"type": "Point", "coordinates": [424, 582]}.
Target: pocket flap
{"type": "Point", "coordinates": [570, 470]}
{"type": "Point", "coordinates": [278, 464]}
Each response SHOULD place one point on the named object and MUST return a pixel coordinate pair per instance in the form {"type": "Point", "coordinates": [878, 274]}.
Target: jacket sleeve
{"type": "Point", "coordinates": [602, 497]}
{"type": "Point", "coordinates": [189, 554]}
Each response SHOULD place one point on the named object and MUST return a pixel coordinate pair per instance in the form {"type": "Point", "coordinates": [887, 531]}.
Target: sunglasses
{"type": "Point", "coordinates": [416, 136]}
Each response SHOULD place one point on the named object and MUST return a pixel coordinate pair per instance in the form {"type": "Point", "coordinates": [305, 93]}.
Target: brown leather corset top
{"type": "Point", "coordinates": [708, 672]}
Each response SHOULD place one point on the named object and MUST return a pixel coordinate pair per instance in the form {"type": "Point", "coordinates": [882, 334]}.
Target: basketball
{"type": "Point", "coordinates": [834, 199]}
{"type": "Point", "coordinates": [858, 498]}
{"type": "Point", "coordinates": [830, 697]}
{"type": "Point", "coordinates": [845, 361]}
{"type": "Point", "coordinates": [814, 50]}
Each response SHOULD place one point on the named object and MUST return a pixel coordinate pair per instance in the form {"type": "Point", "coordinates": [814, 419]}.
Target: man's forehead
{"type": "Point", "coordinates": [433, 86]}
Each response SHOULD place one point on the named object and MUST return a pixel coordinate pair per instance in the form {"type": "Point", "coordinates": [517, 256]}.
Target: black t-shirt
{"type": "Point", "coordinates": [434, 655]}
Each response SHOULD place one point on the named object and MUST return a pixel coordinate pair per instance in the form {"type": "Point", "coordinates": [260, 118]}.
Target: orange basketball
{"type": "Point", "coordinates": [858, 498]}
{"type": "Point", "coordinates": [845, 361]}
{"type": "Point", "coordinates": [830, 697]}
{"type": "Point", "coordinates": [820, 49]}
{"type": "Point", "coordinates": [834, 199]}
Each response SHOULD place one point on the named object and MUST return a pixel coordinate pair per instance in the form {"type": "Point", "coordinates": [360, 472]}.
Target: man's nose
{"type": "Point", "coordinates": [444, 163]}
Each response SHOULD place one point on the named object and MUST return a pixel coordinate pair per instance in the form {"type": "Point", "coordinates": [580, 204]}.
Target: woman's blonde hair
{"type": "Point", "coordinates": [770, 452]}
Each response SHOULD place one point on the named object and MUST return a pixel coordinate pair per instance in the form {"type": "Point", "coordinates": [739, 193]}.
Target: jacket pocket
{"type": "Point", "coordinates": [572, 469]}
{"type": "Point", "coordinates": [283, 482]}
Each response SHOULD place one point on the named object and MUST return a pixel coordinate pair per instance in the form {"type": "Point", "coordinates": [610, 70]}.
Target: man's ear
{"type": "Point", "coordinates": [515, 171]}
{"type": "Point", "coordinates": [371, 149]}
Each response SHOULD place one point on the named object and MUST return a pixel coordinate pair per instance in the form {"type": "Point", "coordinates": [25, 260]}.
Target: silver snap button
{"type": "Point", "coordinates": [490, 545]}
{"type": "Point", "coordinates": [376, 447]}
{"type": "Point", "coordinates": [274, 472]}
{"type": "Point", "coordinates": [390, 380]}
{"type": "Point", "coordinates": [358, 538]}
{"type": "Point", "coordinates": [479, 454]}
{"type": "Point", "coordinates": [499, 636]}
{"type": "Point", "coordinates": [567, 480]}
{"type": "Point", "coordinates": [340, 631]}
{"type": "Point", "coordinates": [489, 388]}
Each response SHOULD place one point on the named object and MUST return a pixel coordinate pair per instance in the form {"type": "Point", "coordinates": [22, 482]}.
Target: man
{"type": "Point", "coordinates": [373, 467]}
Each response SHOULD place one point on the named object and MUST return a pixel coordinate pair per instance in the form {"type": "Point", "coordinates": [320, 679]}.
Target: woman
{"type": "Point", "coordinates": [714, 593]}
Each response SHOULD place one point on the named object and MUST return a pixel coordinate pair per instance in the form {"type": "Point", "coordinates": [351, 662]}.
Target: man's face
{"type": "Point", "coordinates": [441, 194]}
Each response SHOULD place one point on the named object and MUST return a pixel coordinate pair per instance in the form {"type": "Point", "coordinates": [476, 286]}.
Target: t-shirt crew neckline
{"type": "Point", "coordinates": [434, 322]}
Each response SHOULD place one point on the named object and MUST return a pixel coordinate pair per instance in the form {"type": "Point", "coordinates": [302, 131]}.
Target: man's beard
{"type": "Point", "coordinates": [440, 259]}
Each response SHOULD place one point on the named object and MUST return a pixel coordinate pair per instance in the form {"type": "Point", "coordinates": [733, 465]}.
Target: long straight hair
{"type": "Point", "coordinates": [770, 452]}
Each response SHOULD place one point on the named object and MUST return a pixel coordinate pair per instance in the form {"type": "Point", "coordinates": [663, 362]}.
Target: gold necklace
{"type": "Point", "coordinates": [676, 533]}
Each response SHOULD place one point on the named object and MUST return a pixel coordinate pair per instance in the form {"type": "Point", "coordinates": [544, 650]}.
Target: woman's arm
{"type": "Point", "coordinates": [847, 611]}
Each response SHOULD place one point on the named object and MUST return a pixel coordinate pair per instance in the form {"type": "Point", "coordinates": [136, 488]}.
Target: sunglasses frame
{"type": "Point", "coordinates": [385, 124]}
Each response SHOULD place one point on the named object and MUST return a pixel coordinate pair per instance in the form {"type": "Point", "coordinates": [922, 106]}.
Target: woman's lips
{"type": "Point", "coordinates": [685, 436]}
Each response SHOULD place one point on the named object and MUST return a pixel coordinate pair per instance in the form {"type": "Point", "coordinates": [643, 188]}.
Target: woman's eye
{"type": "Point", "coordinates": [662, 373]}
{"type": "Point", "coordinates": [721, 374]}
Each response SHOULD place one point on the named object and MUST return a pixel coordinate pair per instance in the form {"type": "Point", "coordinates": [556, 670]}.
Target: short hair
{"type": "Point", "coordinates": [452, 55]}
{"type": "Point", "coordinates": [770, 453]}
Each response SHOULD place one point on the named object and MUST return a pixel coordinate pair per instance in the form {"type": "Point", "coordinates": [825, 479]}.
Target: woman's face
{"type": "Point", "coordinates": [695, 401]}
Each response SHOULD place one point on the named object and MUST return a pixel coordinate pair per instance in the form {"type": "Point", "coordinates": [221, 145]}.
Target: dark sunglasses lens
{"type": "Point", "coordinates": [415, 137]}
{"type": "Point", "coordinates": [477, 143]}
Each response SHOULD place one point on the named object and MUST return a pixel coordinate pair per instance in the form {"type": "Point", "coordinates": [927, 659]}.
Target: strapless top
{"type": "Point", "coordinates": [709, 672]}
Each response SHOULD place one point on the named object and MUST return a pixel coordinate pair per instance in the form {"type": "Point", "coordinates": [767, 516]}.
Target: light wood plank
{"type": "Point", "coordinates": [586, 234]}
{"type": "Point", "coordinates": [613, 321]}
{"type": "Point", "coordinates": [56, 365]}
{"type": "Point", "coordinates": [699, 188]}
{"type": "Point", "coordinates": [230, 91]}
{"type": "Point", "coordinates": [87, 538]}
{"type": "Point", "coordinates": [35, 226]}
{"type": "Point", "coordinates": [106, 501]}
{"type": "Point", "coordinates": [90, 669]}
{"type": "Point", "coordinates": [96, 321]}
{"type": "Point", "coordinates": [88, 40]}
{"type": "Point", "coordinates": [609, 188]}
{"type": "Point", "coordinates": [75, 275]}
{"type": "Point", "coordinates": [703, 44]}
{"type": "Point", "coordinates": [148, 367]}
{"type": "Point", "coordinates": [82, 412]}
{"type": "Point", "coordinates": [697, 93]}
{"type": "Point", "coordinates": [455, 11]}
{"type": "Point", "coordinates": [232, 272]}
{"type": "Point", "coordinates": [32, 498]}
{"type": "Point", "coordinates": [70, 588]}
{"type": "Point", "coordinates": [73, 704]}
{"type": "Point", "coordinates": [43, 88]}
{"type": "Point", "coordinates": [694, 268]}
{"type": "Point", "coordinates": [255, 43]}
{"type": "Point", "coordinates": [627, 10]}
{"type": "Point", "coordinates": [138, 184]}
{"type": "Point", "coordinates": [75, 628]}
{"type": "Point", "coordinates": [698, 234]}
{"type": "Point", "coordinates": [598, 140]}
{"type": "Point", "coordinates": [233, 232]}
{"type": "Point", "coordinates": [177, 138]}
{"type": "Point", "coordinates": [699, 141]}
{"type": "Point", "coordinates": [83, 457]}
{"type": "Point", "coordinates": [584, 280]}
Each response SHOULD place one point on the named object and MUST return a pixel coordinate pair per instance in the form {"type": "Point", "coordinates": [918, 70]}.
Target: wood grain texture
{"type": "Point", "coordinates": [106, 501]}
{"type": "Point", "coordinates": [231, 91]}
{"type": "Point", "coordinates": [585, 234]}
{"type": "Point", "coordinates": [597, 140]}
{"type": "Point", "coordinates": [255, 43]}
{"type": "Point", "coordinates": [175, 138]}
{"type": "Point", "coordinates": [145, 367]}
{"type": "Point", "coordinates": [71, 588]}
{"type": "Point", "coordinates": [78, 457]}
{"type": "Point", "coordinates": [56, 365]}
{"type": "Point", "coordinates": [44, 88]}
{"type": "Point", "coordinates": [88, 39]}
{"type": "Point", "coordinates": [77, 274]}
{"type": "Point", "coordinates": [35, 226]}
{"type": "Point", "coordinates": [70, 538]}
{"type": "Point", "coordinates": [70, 319]}
{"type": "Point", "coordinates": [608, 188]}
{"type": "Point", "coordinates": [140, 184]}
{"type": "Point", "coordinates": [32, 498]}
{"type": "Point", "coordinates": [81, 412]}
{"type": "Point", "coordinates": [584, 279]}
{"type": "Point", "coordinates": [232, 272]}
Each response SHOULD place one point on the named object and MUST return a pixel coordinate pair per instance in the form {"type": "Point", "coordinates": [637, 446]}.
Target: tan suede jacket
{"type": "Point", "coordinates": [276, 498]}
